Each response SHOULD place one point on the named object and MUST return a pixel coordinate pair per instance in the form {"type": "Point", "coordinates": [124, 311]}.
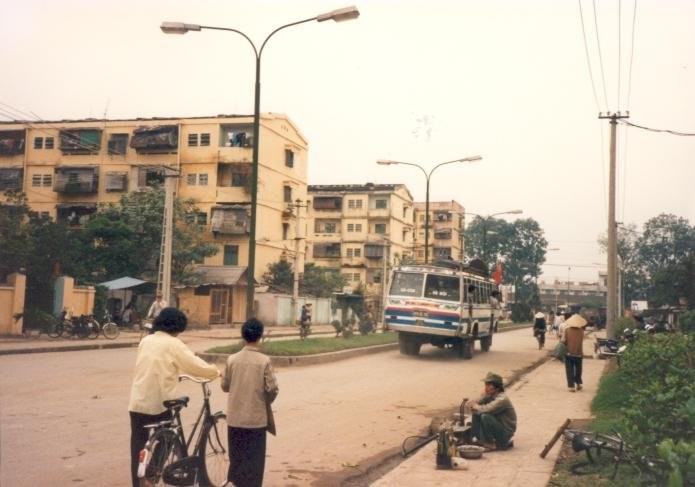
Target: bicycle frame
{"type": "Point", "coordinates": [205, 414]}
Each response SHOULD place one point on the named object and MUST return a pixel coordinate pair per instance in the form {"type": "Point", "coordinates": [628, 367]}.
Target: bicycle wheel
{"type": "Point", "coordinates": [165, 448]}
{"type": "Point", "coordinates": [93, 328]}
{"type": "Point", "coordinates": [55, 330]}
{"type": "Point", "coordinates": [110, 330]}
{"type": "Point", "coordinates": [67, 329]}
{"type": "Point", "coordinates": [213, 452]}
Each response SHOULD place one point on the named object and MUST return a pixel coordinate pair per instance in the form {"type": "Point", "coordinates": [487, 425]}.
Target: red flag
{"type": "Point", "coordinates": [497, 275]}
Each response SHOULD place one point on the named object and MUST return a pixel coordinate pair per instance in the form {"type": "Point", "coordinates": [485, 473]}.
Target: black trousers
{"type": "Point", "coordinates": [573, 370]}
{"type": "Point", "coordinates": [246, 456]}
{"type": "Point", "coordinates": [138, 437]}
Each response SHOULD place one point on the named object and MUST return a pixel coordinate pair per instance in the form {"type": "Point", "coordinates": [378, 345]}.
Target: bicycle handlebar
{"type": "Point", "coordinates": [183, 377]}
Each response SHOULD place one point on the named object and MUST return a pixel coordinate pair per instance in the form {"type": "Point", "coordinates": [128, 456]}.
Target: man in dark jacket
{"type": "Point", "coordinates": [494, 417]}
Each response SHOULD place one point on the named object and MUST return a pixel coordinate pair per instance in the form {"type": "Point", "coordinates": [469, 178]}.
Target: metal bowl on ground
{"type": "Point", "coordinates": [471, 452]}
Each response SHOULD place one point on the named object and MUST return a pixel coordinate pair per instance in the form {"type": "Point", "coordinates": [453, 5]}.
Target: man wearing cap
{"type": "Point", "coordinates": [573, 338]}
{"type": "Point", "coordinates": [494, 417]}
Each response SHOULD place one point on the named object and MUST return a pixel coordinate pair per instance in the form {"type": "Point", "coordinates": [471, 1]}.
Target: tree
{"type": "Point", "coordinates": [657, 264]}
{"type": "Point", "coordinates": [279, 276]}
{"type": "Point", "coordinates": [320, 281]}
{"type": "Point", "coordinates": [14, 234]}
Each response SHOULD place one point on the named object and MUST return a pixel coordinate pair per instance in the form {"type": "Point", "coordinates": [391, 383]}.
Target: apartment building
{"type": "Point", "coordinates": [66, 168]}
{"type": "Point", "coordinates": [359, 230]}
{"type": "Point", "coordinates": [447, 222]}
{"type": "Point", "coordinates": [563, 294]}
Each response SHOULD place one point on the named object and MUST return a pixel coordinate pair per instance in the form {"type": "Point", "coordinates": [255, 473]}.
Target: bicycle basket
{"type": "Point", "coordinates": [184, 472]}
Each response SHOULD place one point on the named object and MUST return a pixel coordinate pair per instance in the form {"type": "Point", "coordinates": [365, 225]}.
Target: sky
{"type": "Point", "coordinates": [416, 81]}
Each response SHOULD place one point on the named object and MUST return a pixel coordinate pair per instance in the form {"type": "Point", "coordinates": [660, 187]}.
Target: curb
{"type": "Point", "coordinates": [319, 358]}
{"type": "Point", "coordinates": [69, 348]}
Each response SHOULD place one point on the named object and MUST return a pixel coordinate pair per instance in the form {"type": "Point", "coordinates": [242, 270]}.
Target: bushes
{"type": "Point", "coordinates": [687, 321]}
{"type": "Point", "coordinates": [36, 319]}
{"type": "Point", "coordinates": [659, 412]}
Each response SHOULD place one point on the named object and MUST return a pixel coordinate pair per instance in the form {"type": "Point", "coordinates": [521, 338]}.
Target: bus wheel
{"type": "Point", "coordinates": [486, 343]}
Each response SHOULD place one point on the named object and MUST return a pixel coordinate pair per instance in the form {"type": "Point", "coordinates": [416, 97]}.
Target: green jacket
{"type": "Point", "coordinates": [501, 408]}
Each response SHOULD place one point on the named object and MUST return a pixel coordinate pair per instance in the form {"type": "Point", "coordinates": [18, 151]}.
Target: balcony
{"type": "Point", "coordinates": [229, 220]}
{"type": "Point", "coordinates": [326, 250]}
{"type": "Point", "coordinates": [11, 178]}
{"type": "Point", "coordinates": [80, 141]}
{"type": "Point", "coordinates": [374, 251]}
{"type": "Point", "coordinates": [76, 180]}
{"type": "Point", "coordinates": [327, 203]}
{"type": "Point", "coordinates": [11, 142]}
{"type": "Point", "coordinates": [158, 139]}
{"type": "Point", "coordinates": [75, 214]}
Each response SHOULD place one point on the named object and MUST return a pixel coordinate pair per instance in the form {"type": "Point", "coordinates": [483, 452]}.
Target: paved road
{"type": "Point", "coordinates": [64, 415]}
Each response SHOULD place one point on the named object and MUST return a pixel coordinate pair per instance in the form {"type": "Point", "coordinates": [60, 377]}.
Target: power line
{"type": "Point", "coordinates": [632, 52]}
{"type": "Point", "coordinates": [668, 131]}
{"type": "Point", "coordinates": [620, 8]}
{"type": "Point", "coordinates": [588, 60]}
{"type": "Point", "coordinates": [600, 57]}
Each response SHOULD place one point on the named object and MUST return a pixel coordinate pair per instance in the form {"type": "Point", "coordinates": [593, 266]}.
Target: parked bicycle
{"type": "Point", "coordinates": [109, 329]}
{"type": "Point", "coordinates": [620, 452]}
{"type": "Point", "coordinates": [167, 458]}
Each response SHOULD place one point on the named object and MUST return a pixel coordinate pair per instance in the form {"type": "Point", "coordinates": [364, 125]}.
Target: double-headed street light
{"type": "Point", "coordinates": [484, 219]}
{"type": "Point", "coordinates": [427, 190]}
{"type": "Point", "coordinates": [339, 15]}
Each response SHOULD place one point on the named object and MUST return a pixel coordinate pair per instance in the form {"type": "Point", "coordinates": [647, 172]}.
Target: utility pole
{"type": "Point", "coordinates": [295, 268]}
{"type": "Point", "coordinates": [164, 275]}
{"type": "Point", "coordinates": [612, 250]}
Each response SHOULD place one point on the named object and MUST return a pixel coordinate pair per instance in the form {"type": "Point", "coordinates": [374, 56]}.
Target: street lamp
{"type": "Point", "coordinates": [485, 219]}
{"type": "Point", "coordinates": [338, 15]}
{"type": "Point", "coordinates": [427, 190]}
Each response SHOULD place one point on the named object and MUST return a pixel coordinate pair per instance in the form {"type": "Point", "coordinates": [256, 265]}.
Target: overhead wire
{"type": "Point", "coordinates": [667, 131]}
{"type": "Point", "coordinates": [600, 56]}
{"type": "Point", "coordinates": [588, 59]}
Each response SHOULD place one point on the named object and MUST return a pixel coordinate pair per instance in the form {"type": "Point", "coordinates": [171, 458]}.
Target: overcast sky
{"type": "Point", "coordinates": [421, 82]}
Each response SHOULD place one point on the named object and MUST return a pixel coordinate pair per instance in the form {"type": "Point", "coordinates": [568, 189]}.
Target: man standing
{"type": "Point", "coordinates": [157, 306]}
{"type": "Point", "coordinates": [494, 417]}
{"type": "Point", "coordinates": [573, 337]}
{"type": "Point", "coordinates": [250, 381]}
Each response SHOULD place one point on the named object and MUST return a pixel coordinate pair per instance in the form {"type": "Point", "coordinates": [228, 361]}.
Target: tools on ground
{"type": "Point", "coordinates": [555, 437]}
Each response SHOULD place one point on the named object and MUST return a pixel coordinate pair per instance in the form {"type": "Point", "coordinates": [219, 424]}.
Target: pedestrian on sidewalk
{"type": "Point", "coordinates": [157, 306]}
{"type": "Point", "coordinates": [162, 357]}
{"type": "Point", "coordinates": [250, 381]}
{"type": "Point", "coordinates": [573, 338]}
{"type": "Point", "coordinates": [494, 417]}
{"type": "Point", "coordinates": [539, 329]}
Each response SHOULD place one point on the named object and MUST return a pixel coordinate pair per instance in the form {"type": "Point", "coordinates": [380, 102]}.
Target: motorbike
{"type": "Point", "coordinates": [540, 336]}
{"type": "Point", "coordinates": [613, 347]}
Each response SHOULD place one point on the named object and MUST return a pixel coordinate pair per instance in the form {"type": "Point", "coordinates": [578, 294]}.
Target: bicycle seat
{"type": "Point", "coordinates": [178, 403]}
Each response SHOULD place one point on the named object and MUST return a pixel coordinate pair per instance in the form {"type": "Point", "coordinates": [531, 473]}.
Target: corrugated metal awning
{"type": "Point", "coordinates": [211, 275]}
{"type": "Point", "coordinates": [122, 283]}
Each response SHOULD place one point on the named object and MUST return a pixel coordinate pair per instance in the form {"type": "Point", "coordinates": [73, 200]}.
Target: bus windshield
{"type": "Point", "coordinates": [407, 284]}
{"type": "Point", "coordinates": [442, 287]}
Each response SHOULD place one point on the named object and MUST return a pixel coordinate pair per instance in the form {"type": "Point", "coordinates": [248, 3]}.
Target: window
{"type": "Point", "coordinates": [285, 230]}
{"type": "Point", "coordinates": [354, 204]}
{"type": "Point", "coordinates": [80, 141]}
{"type": "Point", "coordinates": [349, 253]}
{"type": "Point", "coordinates": [356, 277]}
{"type": "Point", "coordinates": [327, 203]}
{"type": "Point", "coordinates": [358, 227]}
{"type": "Point", "coordinates": [287, 194]}
{"type": "Point", "coordinates": [49, 143]}
{"type": "Point", "coordinates": [354, 252]}
{"type": "Point", "coordinates": [38, 142]}
{"type": "Point", "coordinates": [204, 140]}
{"type": "Point", "coordinates": [442, 287]}
{"type": "Point", "coordinates": [198, 217]}
{"type": "Point", "coordinates": [192, 140]}
{"type": "Point", "coordinates": [191, 179]}
{"type": "Point", "coordinates": [231, 255]}
{"type": "Point", "coordinates": [203, 179]}
{"type": "Point", "coordinates": [422, 217]}
{"type": "Point", "coordinates": [289, 158]}
{"type": "Point", "coordinates": [36, 180]}
{"type": "Point", "coordinates": [118, 144]}
{"type": "Point", "coordinates": [116, 181]}
{"type": "Point", "coordinates": [405, 212]}
{"type": "Point", "coordinates": [380, 228]}
{"type": "Point", "coordinates": [351, 227]}
{"type": "Point", "coordinates": [376, 277]}
{"type": "Point", "coordinates": [358, 252]}
{"type": "Point", "coordinates": [240, 179]}
{"type": "Point", "coordinates": [324, 226]}
{"type": "Point", "coordinates": [380, 204]}
{"type": "Point", "coordinates": [47, 180]}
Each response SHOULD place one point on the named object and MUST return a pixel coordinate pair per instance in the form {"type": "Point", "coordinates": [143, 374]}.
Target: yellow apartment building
{"type": "Point", "coordinates": [66, 168]}
{"type": "Point", "coordinates": [447, 222]}
{"type": "Point", "coordinates": [359, 230]}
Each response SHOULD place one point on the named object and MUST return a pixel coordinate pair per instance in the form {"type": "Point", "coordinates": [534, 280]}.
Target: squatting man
{"type": "Point", "coordinates": [494, 417]}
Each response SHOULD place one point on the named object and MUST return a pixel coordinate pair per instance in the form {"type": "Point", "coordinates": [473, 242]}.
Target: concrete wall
{"type": "Point", "coordinates": [11, 304]}
{"type": "Point", "coordinates": [78, 300]}
{"type": "Point", "coordinates": [197, 307]}
{"type": "Point", "coordinates": [276, 309]}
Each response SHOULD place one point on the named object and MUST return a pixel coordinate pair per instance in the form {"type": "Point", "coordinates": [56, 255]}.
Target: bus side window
{"type": "Point", "coordinates": [478, 292]}
{"type": "Point", "coordinates": [486, 297]}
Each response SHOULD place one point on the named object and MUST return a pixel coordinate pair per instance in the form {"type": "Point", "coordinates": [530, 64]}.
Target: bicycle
{"type": "Point", "coordinates": [304, 329]}
{"type": "Point", "coordinates": [109, 329]}
{"type": "Point", "coordinates": [620, 451]}
{"type": "Point", "coordinates": [167, 459]}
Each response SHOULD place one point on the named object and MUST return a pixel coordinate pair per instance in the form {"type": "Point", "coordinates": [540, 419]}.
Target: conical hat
{"type": "Point", "coordinates": [539, 315]}
{"type": "Point", "coordinates": [575, 321]}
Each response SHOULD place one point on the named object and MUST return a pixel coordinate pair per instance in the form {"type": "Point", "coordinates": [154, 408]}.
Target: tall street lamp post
{"type": "Point", "coordinates": [338, 15]}
{"type": "Point", "coordinates": [427, 190]}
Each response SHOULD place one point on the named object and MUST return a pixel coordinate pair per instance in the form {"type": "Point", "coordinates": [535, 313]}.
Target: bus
{"type": "Point", "coordinates": [446, 305]}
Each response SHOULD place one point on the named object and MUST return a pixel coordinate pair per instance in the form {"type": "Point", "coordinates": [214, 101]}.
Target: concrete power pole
{"type": "Point", "coordinates": [612, 250]}
{"type": "Point", "coordinates": [164, 277]}
{"type": "Point", "coordinates": [295, 268]}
